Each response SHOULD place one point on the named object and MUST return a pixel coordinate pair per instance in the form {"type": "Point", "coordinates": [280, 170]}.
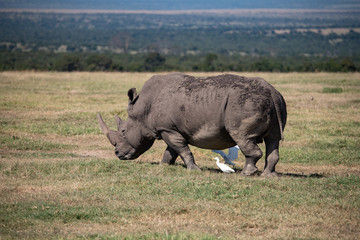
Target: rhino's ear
{"type": "Point", "coordinates": [133, 96]}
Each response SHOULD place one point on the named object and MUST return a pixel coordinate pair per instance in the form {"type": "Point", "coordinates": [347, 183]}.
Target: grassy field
{"type": "Point", "coordinates": [59, 177]}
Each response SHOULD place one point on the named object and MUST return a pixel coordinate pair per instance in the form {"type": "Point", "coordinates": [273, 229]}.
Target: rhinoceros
{"type": "Point", "coordinates": [215, 112]}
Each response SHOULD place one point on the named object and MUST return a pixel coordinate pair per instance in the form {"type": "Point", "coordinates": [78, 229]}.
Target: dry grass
{"type": "Point", "coordinates": [60, 179]}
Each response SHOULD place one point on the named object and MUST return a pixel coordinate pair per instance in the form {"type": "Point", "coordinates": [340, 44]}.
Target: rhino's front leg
{"type": "Point", "coordinates": [188, 159]}
{"type": "Point", "coordinates": [176, 142]}
{"type": "Point", "coordinates": [170, 156]}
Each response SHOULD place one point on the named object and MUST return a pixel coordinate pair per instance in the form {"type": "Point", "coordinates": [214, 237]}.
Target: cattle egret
{"type": "Point", "coordinates": [223, 167]}
{"type": "Point", "coordinates": [233, 155]}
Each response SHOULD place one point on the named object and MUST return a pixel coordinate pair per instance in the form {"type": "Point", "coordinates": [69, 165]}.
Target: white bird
{"type": "Point", "coordinates": [233, 155]}
{"type": "Point", "coordinates": [223, 167]}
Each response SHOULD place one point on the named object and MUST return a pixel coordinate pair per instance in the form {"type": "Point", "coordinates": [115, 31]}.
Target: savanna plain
{"type": "Point", "coordinates": [60, 179]}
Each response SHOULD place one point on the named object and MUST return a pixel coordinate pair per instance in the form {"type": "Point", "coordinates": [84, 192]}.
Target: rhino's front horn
{"type": "Point", "coordinates": [105, 129]}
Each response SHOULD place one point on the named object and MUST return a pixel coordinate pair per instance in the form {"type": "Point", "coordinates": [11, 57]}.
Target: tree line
{"type": "Point", "coordinates": [154, 61]}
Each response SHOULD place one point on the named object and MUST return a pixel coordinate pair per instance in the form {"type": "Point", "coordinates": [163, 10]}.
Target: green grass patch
{"type": "Point", "coordinates": [61, 180]}
{"type": "Point", "coordinates": [27, 144]}
{"type": "Point", "coordinates": [332, 90]}
{"type": "Point", "coordinates": [69, 124]}
{"type": "Point", "coordinates": [112, 193]}
{"type": "Point", "coordinates": [40, 155]}
{"type": "Point", "coordinates": [324, 156]}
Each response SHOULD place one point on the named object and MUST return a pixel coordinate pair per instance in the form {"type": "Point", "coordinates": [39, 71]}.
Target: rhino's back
{"type": "Point", "coordinates": [205, 96]}
{"type": "Point", "coordinates": [186, 85]}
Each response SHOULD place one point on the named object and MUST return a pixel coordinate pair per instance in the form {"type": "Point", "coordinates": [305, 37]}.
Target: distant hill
{"type": "Point", "coordinates": [179, 4]}
{"type": "Point", "coordinates": [256, 32]}
{"type": "Point", "coordinates": [180, 35]}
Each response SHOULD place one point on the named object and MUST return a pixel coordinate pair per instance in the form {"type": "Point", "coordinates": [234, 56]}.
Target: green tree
{"type": "Point", "coordinates": [330, 66]}
{"type": "Point", "coordinates": [266, 65]}
{"type": "Point", "coordinates": [347, 65]}
{"type": "Point", "coordinates": [307, 67]}
{"type": "Point", "coordinates": [68, 63]}
{"type": "Point", "coordinates": [210, 62]}
{"type": "Point", "coordinates": [154, 61]}
{"type": "Point", "coordinates": [262, 65]}
{"type": "Point", "coordinates": [98, 62]}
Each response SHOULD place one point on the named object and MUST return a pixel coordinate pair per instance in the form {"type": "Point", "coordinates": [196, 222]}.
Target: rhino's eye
{"type": "Point", "coordinates": [123, 132]}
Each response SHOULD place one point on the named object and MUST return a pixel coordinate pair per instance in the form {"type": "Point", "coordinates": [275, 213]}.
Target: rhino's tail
{"type": "Point", "coordinates": [280, 108]}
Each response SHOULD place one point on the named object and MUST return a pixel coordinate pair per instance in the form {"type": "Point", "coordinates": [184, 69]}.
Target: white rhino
{"type": "Point", "coordinates": [212, 113]}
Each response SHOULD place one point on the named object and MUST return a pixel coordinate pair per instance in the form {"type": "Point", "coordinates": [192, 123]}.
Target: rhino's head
{"type": "Point", "coordinates": [128, 140]}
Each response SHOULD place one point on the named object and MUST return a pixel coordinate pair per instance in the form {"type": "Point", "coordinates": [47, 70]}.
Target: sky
{"type": "Point", "coordinates": [179, 4]}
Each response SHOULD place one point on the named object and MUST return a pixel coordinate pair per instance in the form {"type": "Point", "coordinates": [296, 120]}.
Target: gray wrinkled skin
{"type": "Point", "coordinates": [212, 113]}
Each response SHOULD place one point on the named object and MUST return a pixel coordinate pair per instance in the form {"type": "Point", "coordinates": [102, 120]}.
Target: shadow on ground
{"type": "Point", "coordinates": [258, 173]}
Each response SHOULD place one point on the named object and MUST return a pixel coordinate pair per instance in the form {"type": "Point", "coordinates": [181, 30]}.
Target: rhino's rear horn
{"type": "Point", "coordinates": [105, 129]}
{"type": "Point", "coordinates": [118, 122]}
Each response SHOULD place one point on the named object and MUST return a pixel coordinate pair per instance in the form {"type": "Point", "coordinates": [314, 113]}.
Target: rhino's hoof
{"type": "Point", "coordinates": [269, 174]}
{"type": "Point", "coordinates": [167, 163]}
{"type": "Point", "coordinates": [193, 167]}
{"type": "Point", "coordinates": [249, 170]}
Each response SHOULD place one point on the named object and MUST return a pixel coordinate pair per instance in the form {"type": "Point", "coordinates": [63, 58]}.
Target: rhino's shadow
{"type": "Point", "coordinates": [296, 175]}
{"type": "Point", "coordinates": [258, 173]}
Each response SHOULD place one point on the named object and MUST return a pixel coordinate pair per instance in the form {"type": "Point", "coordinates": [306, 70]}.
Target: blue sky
{"type": "Point", "coordinates": [180, 4]}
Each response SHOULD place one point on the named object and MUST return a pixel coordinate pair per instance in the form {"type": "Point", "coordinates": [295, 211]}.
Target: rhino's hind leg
{"type": "Point", "coordinates": [272, 157]}
{"type": "Point", "coordinates": [170, 156]}
{"type": "Point", "coordinates": [252, 154]}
